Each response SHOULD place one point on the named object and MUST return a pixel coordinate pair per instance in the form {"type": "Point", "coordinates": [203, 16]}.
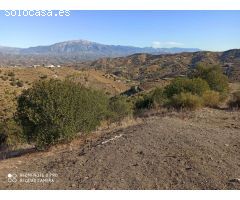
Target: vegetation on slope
{"type": "Point", "coordinates": [54, 110]}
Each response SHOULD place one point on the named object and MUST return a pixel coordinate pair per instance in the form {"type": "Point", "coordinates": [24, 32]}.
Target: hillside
{"type": "Point", "coordinates": [148, 67]}
{"type": "Point", "coordinates": [10, 77]}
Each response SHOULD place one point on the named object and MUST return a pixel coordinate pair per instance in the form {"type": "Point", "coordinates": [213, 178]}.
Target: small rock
{"type": "Point", "coordinates": [226, 145]}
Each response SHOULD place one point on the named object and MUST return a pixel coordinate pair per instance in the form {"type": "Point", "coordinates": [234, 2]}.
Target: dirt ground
{"type": "Point", "coordinates": [198, 150]}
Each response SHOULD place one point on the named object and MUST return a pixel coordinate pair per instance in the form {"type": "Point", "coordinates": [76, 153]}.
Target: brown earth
{"type": "Point", "coordinates": [197, 150]}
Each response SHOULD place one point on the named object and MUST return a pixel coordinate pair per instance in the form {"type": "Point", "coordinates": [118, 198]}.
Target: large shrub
{"type": "Point", "coordinates": [211, 98]}
{"type": "Point", "coordinates": [53, 111]}
{"type": "Point", "coordinates": [235, 100]}
{"type": "Point", "coordinates": [202, 70]}
{"type": "Point", "coordinates": [153, 99]}
{"type": "Point", "coordinates": [218, 82]}
{"type": "Point", "coordinates": [120, 107]}
{"type": "Point", "coordinates": [158, 97]}
{"type": "Point", "coordinates": [185, 101]}
{"type": "Point", "coordinates": [196, 86]}
{"type": "Point", "coordinates": [215, 78]}
{"type": "Point", "coordinates": [144, 101]}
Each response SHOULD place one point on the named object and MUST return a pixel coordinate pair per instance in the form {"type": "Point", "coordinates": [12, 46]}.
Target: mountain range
{"type": "Point", "coordinates": [80, 50]}
{"type": "Point", "coordinates": [131, 62]}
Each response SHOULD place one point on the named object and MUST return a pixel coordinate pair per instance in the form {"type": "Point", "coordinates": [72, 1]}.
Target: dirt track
{"type": "Point", "coordinates": [179, 151]}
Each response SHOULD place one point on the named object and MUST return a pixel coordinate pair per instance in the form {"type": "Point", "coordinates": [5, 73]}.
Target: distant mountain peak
{"type": "Point", "coordinates": [83, 42]}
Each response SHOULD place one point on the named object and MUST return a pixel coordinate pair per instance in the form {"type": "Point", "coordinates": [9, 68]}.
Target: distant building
{"type": "Point", "coordinates": [52, 66]}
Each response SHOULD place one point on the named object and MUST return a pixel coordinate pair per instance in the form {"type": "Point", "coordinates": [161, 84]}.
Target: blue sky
{"type": "Point", "coordinates": [207, 30]}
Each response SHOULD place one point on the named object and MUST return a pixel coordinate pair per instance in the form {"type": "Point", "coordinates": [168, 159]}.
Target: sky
{"type": "Point", "coordinates": [207, 30]}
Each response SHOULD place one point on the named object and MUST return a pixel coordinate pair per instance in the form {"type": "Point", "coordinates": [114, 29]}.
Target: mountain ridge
{"type": "Point", "coordinates": [89, 49]}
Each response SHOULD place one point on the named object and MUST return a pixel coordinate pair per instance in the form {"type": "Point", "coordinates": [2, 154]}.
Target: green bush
{"type": "Point", "coordinates": [211, 98]}
{"type": "Point", "coordinates": [10, 134]}
{"type": "Point", "coordinates": [215, 78]}
{"type": "Point", "coordinates": [185, 101]}
{"type": "Point", "coordinates": [120, 107]}
{"type": "Point", "coordinates": [196, 86]}
{"type": "Point", "coordinates": [158, 97]}
{"type": "Point", "coordinates": [218, 82]}
{"type": "Point", "coordinates": [235, 100]}
{"type": "Point", "coordinates": [153, 99]}
{"type": "Point", "coordinates": [144, 102]}
{"type": "Point", "coordinates": [53, 111]}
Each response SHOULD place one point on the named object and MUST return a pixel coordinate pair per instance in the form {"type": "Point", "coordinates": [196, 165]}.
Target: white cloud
{"type": "Point", "coordinates": [158, 44]}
